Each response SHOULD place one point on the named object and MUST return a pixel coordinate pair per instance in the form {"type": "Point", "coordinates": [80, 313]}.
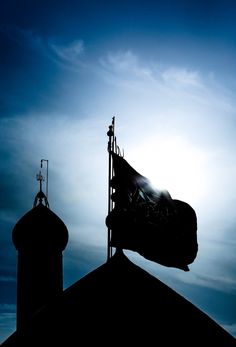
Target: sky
{"type": "Point", "coordinates": [166, 70]}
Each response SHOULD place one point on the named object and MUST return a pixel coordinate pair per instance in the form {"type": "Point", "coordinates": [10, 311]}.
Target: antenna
{"type": "Point", "coordinates": [41, 165]}
{"type": "Point", "coordinates": [40, 197]}
{"type": "Point", "coordinates": [40, 178]}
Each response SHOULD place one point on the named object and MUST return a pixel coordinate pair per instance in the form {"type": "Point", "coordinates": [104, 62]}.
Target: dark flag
{"type": "Point", "coordinates": [149, 221]}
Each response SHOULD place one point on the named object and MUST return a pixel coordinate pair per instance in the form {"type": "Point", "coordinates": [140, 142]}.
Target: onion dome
{"type": "Point", "coordinates": [40, 227]}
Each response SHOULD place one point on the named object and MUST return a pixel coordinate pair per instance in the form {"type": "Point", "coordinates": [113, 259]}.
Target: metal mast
{"type": "Point", "coordinates": [110, 148]}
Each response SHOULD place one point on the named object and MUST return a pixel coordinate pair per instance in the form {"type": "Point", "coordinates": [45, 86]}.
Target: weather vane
{"type": "Point", "coordinates": [40, 178]}
{"type": "Point", "coordinates": [40, 197]}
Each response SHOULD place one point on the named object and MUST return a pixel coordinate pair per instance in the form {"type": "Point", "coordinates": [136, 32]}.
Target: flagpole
{"type": "Point", "coordinates": [110, 148]}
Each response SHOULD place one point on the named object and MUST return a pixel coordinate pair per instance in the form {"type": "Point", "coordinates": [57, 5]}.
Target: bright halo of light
{"type": "Point", "coordinates": [175, 165]}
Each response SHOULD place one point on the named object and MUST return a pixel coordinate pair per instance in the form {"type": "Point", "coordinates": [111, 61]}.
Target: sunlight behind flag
{"type": "Point", "coordinates": [173, 164]}
{"type": "Point", "coordinates": [146, 219]}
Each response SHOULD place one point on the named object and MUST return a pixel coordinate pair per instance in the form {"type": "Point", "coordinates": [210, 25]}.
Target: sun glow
{"type": "Point", "coordinates": [175, 165]}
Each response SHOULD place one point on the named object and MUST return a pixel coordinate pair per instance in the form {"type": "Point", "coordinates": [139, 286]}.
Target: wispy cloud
{"type": "Point", "coordinates": [128, 70]}
{"type": "Point", "coordinates": [7, 320]}
{"type": "Point", "coordinates": [182, 77]}
{"type": "Point", "coordinates": [67, 54]}
{"type": "Point", "coordinates": [222, 283]}
{"type": "Point", "coordinates": [70, 53]}
{"type": "Point", "coordinates": [225, 283]}
{"type": "Point", "coordinates": [7, 307]}
{"type": "Point", "coordinates": [127, 65]}
{"type": "Point", "coordinates": [125, 62]}
{"type": "Point", "coordinates": [23, 37]}
{"type": "Point", "coordinates": [7, 279]}
{"type": "Point", "coordinates": [7, 324]}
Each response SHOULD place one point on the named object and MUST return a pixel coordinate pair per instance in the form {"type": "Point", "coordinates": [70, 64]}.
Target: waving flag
{"type": "Point", "coordinates": [149, 221]}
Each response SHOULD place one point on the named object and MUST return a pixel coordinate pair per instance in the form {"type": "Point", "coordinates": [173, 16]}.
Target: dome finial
{"type": "Point", "coordinates": [41, 197]}
{"type": "Point", "coordinates": [40, 178]}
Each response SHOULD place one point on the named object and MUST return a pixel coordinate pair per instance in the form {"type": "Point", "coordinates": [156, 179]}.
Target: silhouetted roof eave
{"type": "Point", "coordinates": [123, 301]}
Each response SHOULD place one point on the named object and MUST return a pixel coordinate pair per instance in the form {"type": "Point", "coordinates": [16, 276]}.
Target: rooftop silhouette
{"type": "Point", "coordinates": [120, 303]}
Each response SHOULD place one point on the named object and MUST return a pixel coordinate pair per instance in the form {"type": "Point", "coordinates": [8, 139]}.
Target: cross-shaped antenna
{"type": "Point", "coordinates": [40, 178]}
{"type": "Point", "coordinates": [40, 197]}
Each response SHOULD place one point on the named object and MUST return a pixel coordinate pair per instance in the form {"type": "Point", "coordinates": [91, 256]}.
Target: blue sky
{"type": "Point", "coordinates": [166, 70]}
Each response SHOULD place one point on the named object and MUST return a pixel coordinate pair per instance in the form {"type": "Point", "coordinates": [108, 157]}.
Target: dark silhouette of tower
{"type": "Point", "coordinates": [39, 236]}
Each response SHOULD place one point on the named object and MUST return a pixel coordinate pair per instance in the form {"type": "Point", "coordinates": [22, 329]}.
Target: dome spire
{"type": "Point", "coordinates": [41, 198]}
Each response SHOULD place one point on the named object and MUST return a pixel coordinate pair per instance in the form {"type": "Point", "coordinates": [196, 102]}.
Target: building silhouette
{"type": "Point", "coordinates": [39, 236]}
{"type": "Point", "coordinates": [118, 303]}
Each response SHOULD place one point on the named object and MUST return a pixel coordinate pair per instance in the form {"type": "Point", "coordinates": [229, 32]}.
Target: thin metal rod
{"type": "Point", "coordinates": [46, 175]}
{"type": "Point", "coordinates": [110, 134]}
{"type": "Point", "coordinates": [47, 182]}
{"type": "Point", "coordinates": [109, 205]}
{"type": "Point", "coordinates": [112, 173]}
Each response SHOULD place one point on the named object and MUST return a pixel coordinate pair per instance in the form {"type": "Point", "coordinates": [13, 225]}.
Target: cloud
{"type": "Point", "coordinates": [176, 101]}
{"type": "Point", "coordinates": [24, 38]}
{"type": "Point", "coordinates": [81, 257]}
{"type": "Point", "coordinates": [126, 62]}
{"type": "Point", "coordinates": [7, 279]}
{"type": "Point", "coordinates": [70, 53]}
{"type": "Point", "coordinates": [182, 77]}
{"type": "Point", "coordinates": [77, 164]}
{"type": "Point", "coordinates": [226, 284]}
{"type": "Point", "coordinates": [214, 267]}
{"type": "Point", "coordinates": [67, 54]}
{"type": "Point", "coordinates": [7, 324]}
{"type": "Point", "coordinates": [7, 307]}
{"type": "Point", "coordinates": [173, 83]}
{"type": "Point", "coordinates": [7, 320]}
